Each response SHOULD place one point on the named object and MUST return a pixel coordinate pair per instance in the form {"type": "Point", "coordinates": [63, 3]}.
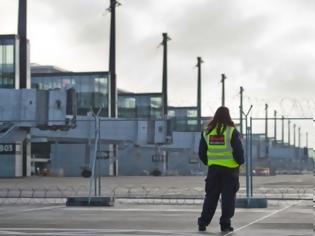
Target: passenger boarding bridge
{"type": "Point", "coordinates": [29, 114]}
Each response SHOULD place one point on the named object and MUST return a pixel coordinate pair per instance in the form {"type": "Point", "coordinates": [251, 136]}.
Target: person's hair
{"type": "Point", "coordinates": [220, 120]}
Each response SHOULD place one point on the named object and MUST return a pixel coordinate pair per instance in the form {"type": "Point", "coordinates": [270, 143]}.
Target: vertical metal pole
{"type": "Point", "coordinates": [99, 160]}
{"type": "Point", "coordinates": [294, 134]}
{"type": "Point", "coordinates": [275, 127]}
{"type": "Point", "coordinates": [23, 56]}
{"type": "Point", "coordinates": [251, 156]}
{"type": "Point", "coordinates": [246, 158]}
{"type": "Point", "coordinates": [289, 135]}
{"type": "Point", "coordinates": [306, 141]}
{"type": "Point", "coordinates": [282, 130]}
{"type": "Point", "coordinates": [165, 93]}
{"type": "Point", "coordinates": [96, 161]}
{"type": "Point", "coordinates": [241, 110]}
{"type": "Point", "coordinates": [99, 177]}
{"type": "Point", "coordinates": [266, 120]}
{"type": "Point", "coordinates": [266, 131]}
{"type": "Point", "coordinates": [23, 69]}
{"type": "Point", "coordinates": [223, 78]}
{"type": "Point", "coordinates": [56, 155]}
{"type": "Point", "coordinates": [164, 162]}
{"type": "Point", "coordinates": [112, 60]}
{"type": "Point", "coordinates": [299, 140]}
{"type": "Point", "coordinates": [164, 82]}
{"type": "Point", "coordinates": [247, 161]}
{"type": "Point", "coordinates": [113, 82]}
{"type": "Point", "coordinates": [199, 61]}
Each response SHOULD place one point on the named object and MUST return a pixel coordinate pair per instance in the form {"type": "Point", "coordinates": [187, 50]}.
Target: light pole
{"type": "Point", "coordinates": [164, 77]}
{"type": "Point", "coordinates": [199, 62]}
{"type": "Point", "coordinates": [294, 134]}
{"type": "Point", "coordinates": [223, 78]}
{"type": "Point", "coordinates": [289, 135]}
{"type": "Point", "coordinates": [266, 131]}
{"type": "Point", "coordinates": [112, 59]}
{"type": "Point", "coordinates": [282, 130]}
{"type": "Point", "coordinates": [299, 140]}
{"type": "Point", "coordinates": [241, 110]}
{"type": "Point", "coordinates": [22, 32]}
{"type": "Point", "coordinates": [275, 127]}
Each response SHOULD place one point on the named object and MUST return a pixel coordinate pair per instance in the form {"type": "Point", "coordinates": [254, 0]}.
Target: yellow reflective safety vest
{"type": "Point", "coordinates": [220, 151]}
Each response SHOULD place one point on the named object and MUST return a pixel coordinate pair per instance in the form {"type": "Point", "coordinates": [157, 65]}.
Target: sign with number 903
{"type": "Point", "coordinates": [7, 148]}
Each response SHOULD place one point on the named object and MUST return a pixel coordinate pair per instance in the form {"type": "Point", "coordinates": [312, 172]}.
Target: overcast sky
{"type": "Point", "coordinates": [268, 47]}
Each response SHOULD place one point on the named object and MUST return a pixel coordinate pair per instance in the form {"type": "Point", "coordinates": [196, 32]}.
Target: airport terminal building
{"type": "Point", "coordinates": [93, 93]}
{"type": "Point", "coordinates": [60, 156]}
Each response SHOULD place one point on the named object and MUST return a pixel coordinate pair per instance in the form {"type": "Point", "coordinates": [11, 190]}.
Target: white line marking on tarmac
{"type": "Point", "coordinates": [9, 232]}
{"type": "Point", "coordinates": [76, 231]}
{"type": "Point", "coordinates": [263, 218]}
{"type": "Point", "coordinates": [158, 210]}
{"type": "Point", "coordinates": [42, 208]}
{"type": "Point", "coordinates": [32, 209]}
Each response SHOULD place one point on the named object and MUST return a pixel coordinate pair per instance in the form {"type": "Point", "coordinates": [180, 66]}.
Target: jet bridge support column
{"type": "Point", "coordinates": [27, 152]}
{"type": "Point", "coordinates": [113, 160]}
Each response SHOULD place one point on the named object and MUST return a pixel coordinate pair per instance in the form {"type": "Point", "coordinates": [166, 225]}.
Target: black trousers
{"type": "Point", "coordinates": [220, 181]}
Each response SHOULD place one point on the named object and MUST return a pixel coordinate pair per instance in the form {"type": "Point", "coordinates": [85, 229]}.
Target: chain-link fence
{"type": "Point", "coordinates": [141, 194]}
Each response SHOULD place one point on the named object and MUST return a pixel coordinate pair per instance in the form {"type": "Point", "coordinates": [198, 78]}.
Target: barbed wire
{"type": "Point", "coordinates": [285, 106]}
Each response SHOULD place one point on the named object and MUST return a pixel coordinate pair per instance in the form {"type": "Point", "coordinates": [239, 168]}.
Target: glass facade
{"type": "Point", "coordinates": [149, 105]}
{"type": "Point", "coordinates": [127, 106]}
{"type": "Point", "coordinates": [8, 61]}
{"type": "Point", "coordinates": [140, 105]}
{"type": "Point", "coordinates": [92, 88]}
{"type": "Point", "coordinates": [183, 118]}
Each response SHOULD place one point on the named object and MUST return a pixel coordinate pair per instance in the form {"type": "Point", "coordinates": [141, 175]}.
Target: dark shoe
{"type": "Point", "coordinates": [226, 229]}
{"type": "Point", "coordinates": [201, 228]}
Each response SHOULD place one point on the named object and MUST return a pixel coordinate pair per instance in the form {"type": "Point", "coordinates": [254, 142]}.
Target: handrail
{"type": "Point", "coordinates": [13, 127]}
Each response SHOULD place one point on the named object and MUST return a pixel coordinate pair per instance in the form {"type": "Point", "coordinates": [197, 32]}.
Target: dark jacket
{"type": "Point", "coordinates": [238, 152]}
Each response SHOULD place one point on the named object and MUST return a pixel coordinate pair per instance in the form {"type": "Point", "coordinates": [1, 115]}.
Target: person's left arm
{"type": "Point", "coordinates": [203, 148]}
{"type": "Point", "coordinates": [238, 151]}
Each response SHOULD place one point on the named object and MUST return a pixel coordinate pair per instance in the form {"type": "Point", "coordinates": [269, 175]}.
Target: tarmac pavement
{"type": "Point", "coordinates": [28, 214]}
{"type": "Point", "coordinates": [292, 218]}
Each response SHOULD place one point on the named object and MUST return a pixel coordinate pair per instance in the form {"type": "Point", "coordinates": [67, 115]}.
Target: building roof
{"type": "Point", "coordinates": [39, 69]}
{"type": "Point", "coordinates": [69, 73]}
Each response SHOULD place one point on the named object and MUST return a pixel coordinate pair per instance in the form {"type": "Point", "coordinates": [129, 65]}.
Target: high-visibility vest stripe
{"type": "Point", "coordinates": [225, 162]}
{"type": "Point", "coordinates": [218, 156]}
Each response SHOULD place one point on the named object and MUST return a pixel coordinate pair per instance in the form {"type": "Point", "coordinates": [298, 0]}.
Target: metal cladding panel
{"type": "Point", "coordinates": [9, 105]}
{"type": "Point", "coordinates": [151, 131]}
{"type": "Point", "coordinates": [119, 130]}
{"type": "Point", "coordinates": [142, 136]}
{"type": "Point", "coordinates": [57, 104]}
{"type": "Point", "coordinates": [160, 131]}
{"type": "Point", "coordinates": [42, 108]}
{"type": "Point", "coordinates": [7, 165]}
{"type": "Point", "coordinates": [196, 142]}
{"type": "Point", "coordinates": [28, 104]}
{"type": "Point", "coordinates": [11, 158]}
{"type": "Point", "coordinates": [183, 140]}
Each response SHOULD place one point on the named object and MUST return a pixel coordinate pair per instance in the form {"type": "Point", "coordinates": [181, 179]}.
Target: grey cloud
{"type": "Point", "coordinates": [218, 28]}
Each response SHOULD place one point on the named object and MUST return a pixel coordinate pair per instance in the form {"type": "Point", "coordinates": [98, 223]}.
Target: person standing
{"type": "Point", "coordinates": [221, 149]}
